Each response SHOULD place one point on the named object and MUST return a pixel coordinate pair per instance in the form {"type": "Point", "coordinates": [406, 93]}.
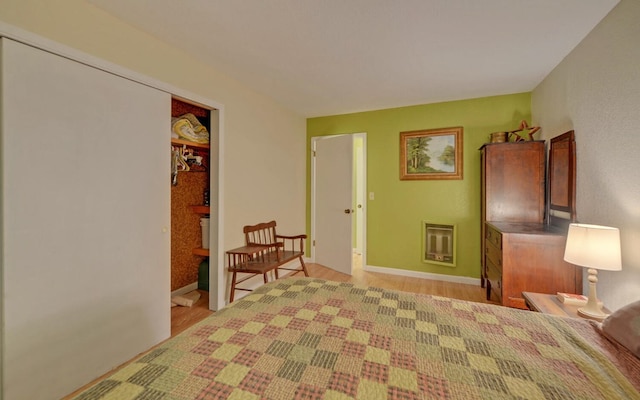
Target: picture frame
{"type": "Point", "coordinates": [431, 154]}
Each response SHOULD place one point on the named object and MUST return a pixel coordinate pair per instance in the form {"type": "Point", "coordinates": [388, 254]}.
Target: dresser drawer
{"type": "Point", "coordinates": [493, 235]}
{"type": "Point", "coordinates": [494, 278]}
{"type": "Point", "coordinates": [494, 254]}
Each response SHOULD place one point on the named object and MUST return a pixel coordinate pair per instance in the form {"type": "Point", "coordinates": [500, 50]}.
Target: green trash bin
{"type": "Point", "coordinates": [203, 275]}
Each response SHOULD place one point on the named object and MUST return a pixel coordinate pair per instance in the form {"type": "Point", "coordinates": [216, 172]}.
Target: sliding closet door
{"type": "Point", "coordinates": [86, 214]}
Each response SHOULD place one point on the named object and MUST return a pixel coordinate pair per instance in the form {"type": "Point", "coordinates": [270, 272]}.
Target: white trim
{"type": "Point", "coordinates": [424, 275]}
{"type": "Point", "coordinates": [185, 289]}
{"type": "Point", "coordinates": [219, 265]}
{"type": "Point", "coordinates": [365, 197]}
{"type": "Point", "coordinates": [312, 248]}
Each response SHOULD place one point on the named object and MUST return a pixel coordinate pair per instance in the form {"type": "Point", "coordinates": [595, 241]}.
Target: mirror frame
{"type": "Point", "coordinates": [562, 179]}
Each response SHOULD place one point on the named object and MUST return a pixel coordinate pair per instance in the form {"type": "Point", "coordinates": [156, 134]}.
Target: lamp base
{"type": "Point", "coordinates": [591, 314]}
{"type": "Point", "coordinates": [592, 310]}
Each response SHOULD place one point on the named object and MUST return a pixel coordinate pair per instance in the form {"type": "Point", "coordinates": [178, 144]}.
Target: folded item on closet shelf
{"type": "Point", "coordinates": [188, 127]}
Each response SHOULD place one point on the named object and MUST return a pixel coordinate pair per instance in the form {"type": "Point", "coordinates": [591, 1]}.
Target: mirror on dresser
{"type": "Point", "coordinates": [562, 180]}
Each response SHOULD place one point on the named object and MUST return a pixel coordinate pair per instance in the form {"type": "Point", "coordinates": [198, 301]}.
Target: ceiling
{"type": "Point", "coordinates": [325, 57]}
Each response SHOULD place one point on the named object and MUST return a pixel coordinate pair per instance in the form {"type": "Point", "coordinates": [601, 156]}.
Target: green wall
{"type": "Point", "coordinates": [394, 218]}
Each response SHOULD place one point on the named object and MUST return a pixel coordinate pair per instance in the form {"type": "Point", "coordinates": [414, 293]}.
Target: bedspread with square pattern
{"type": "Point", "coordinates": [305, 338]}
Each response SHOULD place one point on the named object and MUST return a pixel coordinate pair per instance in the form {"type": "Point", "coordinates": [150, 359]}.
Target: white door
{"type": "Point", "coordinates": [360, 180]}
{"type": "Point", "coordinates": [86, 221]}
{"type": "Point", "coordinates": [333, 202]}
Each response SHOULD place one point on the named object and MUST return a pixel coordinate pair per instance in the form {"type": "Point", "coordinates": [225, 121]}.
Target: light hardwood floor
{"type": "Point", "coordinates": [184, 317]}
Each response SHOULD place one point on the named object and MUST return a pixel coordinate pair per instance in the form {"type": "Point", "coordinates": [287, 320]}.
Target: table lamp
{"type": "Point", "coordinates": [594, 247]}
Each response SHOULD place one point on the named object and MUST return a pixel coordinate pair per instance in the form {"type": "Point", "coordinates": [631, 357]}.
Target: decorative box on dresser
{"type": "Point", "coordinates": [520, 250]}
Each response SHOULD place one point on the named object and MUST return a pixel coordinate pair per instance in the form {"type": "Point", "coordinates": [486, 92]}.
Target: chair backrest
{"type": "Point", "coordinates": [263, 233]}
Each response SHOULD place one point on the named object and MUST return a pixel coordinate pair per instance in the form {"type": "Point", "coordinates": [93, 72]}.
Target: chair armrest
{"type": "Point", "coordinates": [266, 245]}
{"type": "Point", "coordinates": [291, 237]}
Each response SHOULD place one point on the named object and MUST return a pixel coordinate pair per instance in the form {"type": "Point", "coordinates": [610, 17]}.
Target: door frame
{"type": "Point", "coordinates": [360, 172]}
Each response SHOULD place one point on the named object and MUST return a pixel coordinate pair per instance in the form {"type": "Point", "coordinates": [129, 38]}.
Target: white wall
{"type": "Point", "coordinates": [596, 92]}
{"type": "Point", "coordinates": [264, 143]}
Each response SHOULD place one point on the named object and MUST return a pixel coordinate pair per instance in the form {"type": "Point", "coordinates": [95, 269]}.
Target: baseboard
{"type": "Point", "coordinates": [186, 289]}
{"type": "Point", "coordinates": [424, 275]}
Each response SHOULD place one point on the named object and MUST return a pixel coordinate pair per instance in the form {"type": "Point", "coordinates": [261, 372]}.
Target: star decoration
{"type": "Point", "coordinates": [524, 127]}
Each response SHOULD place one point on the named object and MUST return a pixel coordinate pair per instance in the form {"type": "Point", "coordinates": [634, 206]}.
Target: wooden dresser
{"type": "Point", "coordinates": [521, 249]}
{"type": "Point", "coordinates": [527, 257]}
{"type": "Point", "coordinates": [513, 185]}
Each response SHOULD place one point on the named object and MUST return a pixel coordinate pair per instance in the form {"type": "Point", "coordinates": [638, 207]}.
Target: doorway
{"type": "Point", "coordinates": [338, 206]}
{"type": "Point", "coordinates": [195, 204]}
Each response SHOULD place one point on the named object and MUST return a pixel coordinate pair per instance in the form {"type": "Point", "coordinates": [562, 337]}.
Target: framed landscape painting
{"type": "Point", "coordinates": [431, 154]}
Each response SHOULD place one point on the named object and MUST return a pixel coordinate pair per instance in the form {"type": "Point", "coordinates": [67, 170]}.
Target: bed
{"type": "Point", "coordinates": [307, 338]}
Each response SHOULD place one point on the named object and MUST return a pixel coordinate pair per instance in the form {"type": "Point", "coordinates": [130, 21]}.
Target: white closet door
{"type": "Point", "coordinates": [86, 214]}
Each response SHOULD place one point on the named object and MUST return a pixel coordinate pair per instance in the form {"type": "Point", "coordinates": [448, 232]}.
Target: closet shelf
{"type": "Point", "coordinates": [200, 209]}
{"type": "Point", "coordinates": [181, 142]}
{"type": "Point", "coordinates": [198, 251]}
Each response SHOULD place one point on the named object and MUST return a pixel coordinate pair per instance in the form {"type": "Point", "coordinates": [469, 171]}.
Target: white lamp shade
{"type": "Point", "coordinates": [593, 246]}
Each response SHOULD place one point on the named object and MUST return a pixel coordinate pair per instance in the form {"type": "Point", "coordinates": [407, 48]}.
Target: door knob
{"type": "Point", "coordinates": [348, 211]}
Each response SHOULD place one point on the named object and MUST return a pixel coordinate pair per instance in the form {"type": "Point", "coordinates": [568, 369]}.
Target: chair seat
{"type": "Point", "coordinates": [266, 262]}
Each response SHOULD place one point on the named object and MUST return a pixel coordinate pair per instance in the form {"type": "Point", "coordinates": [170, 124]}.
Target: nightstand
{"type": "Point", "coordinates": [549, 304]}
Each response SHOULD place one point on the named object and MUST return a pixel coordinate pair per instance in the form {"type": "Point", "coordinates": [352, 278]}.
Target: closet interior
{"type": "Point", "coordinates": [190, 199]}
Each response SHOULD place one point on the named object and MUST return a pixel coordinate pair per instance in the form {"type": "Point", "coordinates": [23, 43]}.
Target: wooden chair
{"type": "Point", "coordinates": [264, 251]}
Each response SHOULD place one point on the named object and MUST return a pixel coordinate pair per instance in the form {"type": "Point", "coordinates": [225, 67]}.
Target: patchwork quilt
{"type": "Point", "coordinates": [306, 338]}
